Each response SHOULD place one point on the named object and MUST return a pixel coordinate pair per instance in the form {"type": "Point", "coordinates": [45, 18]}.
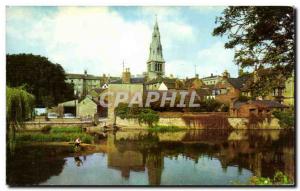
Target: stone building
{"type": "Point", "coordinates": [83, 83]}
{"type": "Point", "coordinates": [156, 62]}
{"type": "Point", "coordinates": [211, 80]}
{"type": "Point", "coordinates": [164, 84]}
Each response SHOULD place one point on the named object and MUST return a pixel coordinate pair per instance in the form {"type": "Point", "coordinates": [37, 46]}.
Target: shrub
{"type": "Point", "coordinates": [143, 115]}
{"type": "Point", "coordinates": [279, 179]}
{"type": "Point", "coordinates": [286, 118]}
{"type": "Point", "coordinates": [148, 116]}
{"type": "Point", "coordinates": [46, 129]}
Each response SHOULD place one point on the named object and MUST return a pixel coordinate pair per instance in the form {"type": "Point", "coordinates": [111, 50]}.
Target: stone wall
{"type": "Point", "coordinates": [40, 123]}
{"type": "Point", "coordinates": [235, 122]}
{"type": "Point", "coordinates": [242, 123]}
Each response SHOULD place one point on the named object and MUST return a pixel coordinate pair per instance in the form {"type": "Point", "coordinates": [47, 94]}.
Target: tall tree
{"type": "Point", "coordinates": [263, 38]}
{"type": "Point", "coordinates": [19, 107]}
{"type": "Point", "coordinates": [42, 78]}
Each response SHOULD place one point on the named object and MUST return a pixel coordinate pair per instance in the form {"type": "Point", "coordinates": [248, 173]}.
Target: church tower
{"type": "Point", "coordinates": [156, 62]}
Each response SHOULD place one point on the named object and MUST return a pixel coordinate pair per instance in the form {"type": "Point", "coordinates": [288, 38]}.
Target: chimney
{"type": "Point", "coordinates": [126, 76]}
{"type": "Point", "coordinates": [211, 75]}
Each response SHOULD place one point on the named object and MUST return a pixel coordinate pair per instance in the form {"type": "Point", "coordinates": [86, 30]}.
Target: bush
{"type": "Point", "coordinates": [278, 179]}
{"type": "Point", "coordinates": [144, 115]}
{"type": "Point", "coordinates": [46, 129]}
{"type": "Point", "coordinates": [148, 116]}
{"type": "Point", "coordinates": [286, 118]}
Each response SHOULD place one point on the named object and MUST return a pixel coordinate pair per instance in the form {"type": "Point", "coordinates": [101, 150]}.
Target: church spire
{"type": "Point", "coordinates": [156, 62]}
{"type": "Point", "coordinates": [155, 46]}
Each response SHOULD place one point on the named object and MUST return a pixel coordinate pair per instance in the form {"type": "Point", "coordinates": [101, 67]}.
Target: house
{"type": "Point", "coordinates": [193, 83]}
{"type": "Point", "coordinates": [288, 92]}
{"type": "Point", "coordinates": [261, 108]}
{"type": "Point", "coordinates": [228, 88]}
{"type": "Point", "coordinates": [89, 106]}
{"type": "Point", "coordinates": [164, 84]}
{"type": "Point", "coordinates": [211, 80]}
{"type": "Point", "coordinates": [83, 83]}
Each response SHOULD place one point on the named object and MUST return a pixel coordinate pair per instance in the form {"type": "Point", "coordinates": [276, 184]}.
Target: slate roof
{"type": "Point", "coordinates": [82, 76]}
{"type": "Point", "coordinates": [239, 82]}
{"type": "Point", "coordinates": [169, 82]}
{"type": "Point", "coordinates": [203, 91]}
{"type": "Point", "coordinates": [208, 77]}
{"type": "Point", "coordinates": [260, 103]}
{"type": "Point", "coordinates": [136, 80]}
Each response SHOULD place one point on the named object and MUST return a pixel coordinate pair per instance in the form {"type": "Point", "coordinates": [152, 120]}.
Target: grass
{"type": "Point", "coordinates": [164, 128]}
{"type": "Point", "coordinates": [53, 137]}
{"type": "Point", "coordinates": [71, 129]}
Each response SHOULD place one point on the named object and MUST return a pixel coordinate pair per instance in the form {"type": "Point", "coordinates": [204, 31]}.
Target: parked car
{"type": "Point", "coordinates": [69, 115]}
{"type": "Point", "coordinates": [52, 115]}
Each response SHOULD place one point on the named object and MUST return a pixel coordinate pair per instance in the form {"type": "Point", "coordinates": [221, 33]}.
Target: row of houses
{"type": "Point", "coordinates": [222, 88]}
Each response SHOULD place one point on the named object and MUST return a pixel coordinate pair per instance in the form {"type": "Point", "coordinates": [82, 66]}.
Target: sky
{"type": "Point", "coordinates": [99, 39]}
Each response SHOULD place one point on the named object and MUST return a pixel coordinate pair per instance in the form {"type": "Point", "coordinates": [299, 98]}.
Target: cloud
{"type": "Point", "coordinates": [215, 59]}
{"type": "Point", "coordinates": [100, 38]}
{"type": "Point", "coordinates": [180, 68]}
{"type": "Point", "coordinates": [95, 38]}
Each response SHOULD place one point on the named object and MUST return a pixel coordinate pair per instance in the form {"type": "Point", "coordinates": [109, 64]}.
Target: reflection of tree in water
{"type": "Point", "coordinates": [32, 165]}
{"type": "Point", "coordinates": [263, 152]}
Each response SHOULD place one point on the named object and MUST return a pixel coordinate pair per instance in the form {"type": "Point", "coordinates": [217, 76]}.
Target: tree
{"type": "Point", "coordinates": [40, 77]}
{"type": "Point", "coordinates": [19, 107]}
{"type": "Point", "coordinates": [263, 38]}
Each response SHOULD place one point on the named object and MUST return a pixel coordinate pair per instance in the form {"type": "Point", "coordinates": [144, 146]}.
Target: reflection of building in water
{"type": "Point", "coordinates": [263, 152]}
{"type": "Point", "coordinates": [126, 156]}
{"type": "Point", "coordinates": [124, 161]}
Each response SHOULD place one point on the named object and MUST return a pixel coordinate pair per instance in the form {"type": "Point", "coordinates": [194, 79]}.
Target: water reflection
{"type": "Point", "coordinates": [78, 161]}
{"type": "Point", "coordinates": [199, 157]}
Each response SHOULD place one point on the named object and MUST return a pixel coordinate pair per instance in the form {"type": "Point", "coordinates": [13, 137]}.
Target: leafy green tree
{"type": "Point", "coordinates": [286, 118]}
{"type": "Point", "coordinates": [19, 107]}
{"type": "Point", "coordinates": [143, 115]}
{"type": "Point", "coordinates": [40, 77]}
{"type": "Point", "coordinates": [148, 116]}
{"type": "Point", "coordinates": [263, 38]}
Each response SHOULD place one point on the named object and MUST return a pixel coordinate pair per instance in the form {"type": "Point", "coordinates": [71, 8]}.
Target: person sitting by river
{"type": "Point", "coordinates": [77, 142]}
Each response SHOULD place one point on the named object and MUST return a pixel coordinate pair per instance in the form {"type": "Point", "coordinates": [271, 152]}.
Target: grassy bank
{"type": "Point", "coordinates": [71, 129]}
{"type": "Point", "coordinates": [164, 128]}
{"type": "Point", "coordinates": [55, 134]}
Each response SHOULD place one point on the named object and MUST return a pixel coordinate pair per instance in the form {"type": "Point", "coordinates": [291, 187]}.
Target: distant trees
{"type": "Point", "coordinates": [40, 77]}
{"type": "Point", "coordinates": [263, 37]}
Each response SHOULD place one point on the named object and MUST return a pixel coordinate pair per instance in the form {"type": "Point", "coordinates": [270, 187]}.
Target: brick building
{"type": "Point", "coordinates": [261, 108]}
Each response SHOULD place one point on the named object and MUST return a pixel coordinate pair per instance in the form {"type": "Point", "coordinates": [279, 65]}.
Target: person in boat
{"type": "Point", "coordinates": [77, 142]}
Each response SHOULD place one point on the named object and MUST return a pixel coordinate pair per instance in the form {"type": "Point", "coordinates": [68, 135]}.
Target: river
{"type": "Point", "coordinates": [194, 157]}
